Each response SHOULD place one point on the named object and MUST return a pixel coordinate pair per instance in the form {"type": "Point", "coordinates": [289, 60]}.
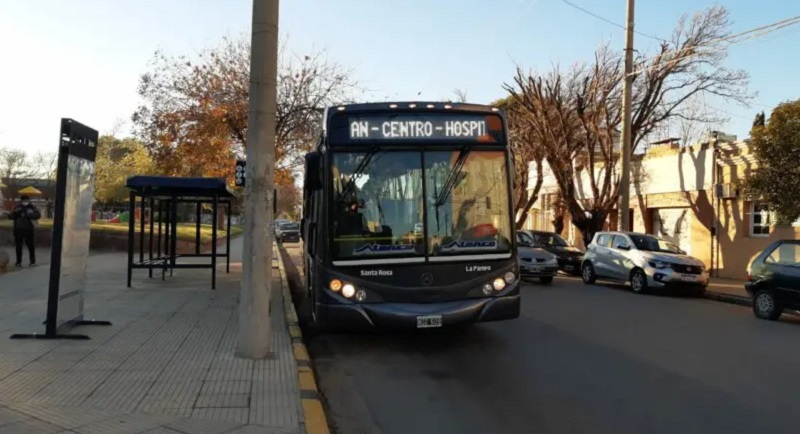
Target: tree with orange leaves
{"type": "Point", "coordinates": [193, 116]}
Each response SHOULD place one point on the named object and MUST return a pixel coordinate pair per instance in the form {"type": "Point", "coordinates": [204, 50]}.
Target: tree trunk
{"type": "Point", "coordinates": [558, 224]}
{"type": "Point", "coordinates": [590, 225]}
{"type": "Point", "coordinates": [534, 195]}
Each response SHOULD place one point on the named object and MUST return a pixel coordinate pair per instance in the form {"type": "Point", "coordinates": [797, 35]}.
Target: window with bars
{"type": "Point", "coordinates": [760, 219]}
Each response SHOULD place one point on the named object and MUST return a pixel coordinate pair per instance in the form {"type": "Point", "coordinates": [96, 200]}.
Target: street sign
{"type": "Point", "coordinates": [240, 177]}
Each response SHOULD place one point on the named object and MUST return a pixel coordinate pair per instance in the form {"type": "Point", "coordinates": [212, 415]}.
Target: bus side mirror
{"type": "Point", "coordinates": [313, 178]}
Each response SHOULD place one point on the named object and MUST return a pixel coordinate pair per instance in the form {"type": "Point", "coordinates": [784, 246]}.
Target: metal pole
{"type": "Point", "coordinates": [228, 239]}
{"type": "Point", "coordinates": [623, 211]}
{"type": "Point", "coordinates": [254, 339]}
{"type": "Point", "coordinates": [131, 233]}
{"type": "Point", "coordinates": [215, 213]}
{"type": "Point", "coordinates": [197, 240]}
{"type": "Point", "coordinates": [150, 253]}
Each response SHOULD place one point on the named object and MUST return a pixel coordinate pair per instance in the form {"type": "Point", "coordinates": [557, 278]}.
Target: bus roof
{"type": "Point", "coordinates": [416, 106]}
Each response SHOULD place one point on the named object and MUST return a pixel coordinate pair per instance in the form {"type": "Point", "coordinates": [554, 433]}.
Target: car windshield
{"type": "Point", "coordinates": [289, 226]}
{"type": "Point", "coordinates": [550, 240]}
{"type": "Point", "coordinates": [379, 206]}
{"type": "Point", "coordinates": [652, 244]}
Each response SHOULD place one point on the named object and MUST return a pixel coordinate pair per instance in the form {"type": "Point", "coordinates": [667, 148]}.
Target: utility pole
{"type": "Point", "coordinates": [623, 210]}
{"type": "Point", "coordinates": [254, 301]}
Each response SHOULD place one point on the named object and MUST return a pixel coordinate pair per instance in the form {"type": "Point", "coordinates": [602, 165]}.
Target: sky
{"type": "Point", "coordinates": [82, 59]}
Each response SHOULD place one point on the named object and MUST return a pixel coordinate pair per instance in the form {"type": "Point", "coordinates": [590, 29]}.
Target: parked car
{"type": "Point", "coordinates": [646, 261]}
{"type": "Point", "coordinates": [569, 257]}
{"type": "Point", "coordinates": [288, 232]}
{"type": "Point", "coordinates": [535, 262]}
{"type": "Point", "coordinates": [4, 215]}
{"type": "Point", "coordinates": [773, 279]}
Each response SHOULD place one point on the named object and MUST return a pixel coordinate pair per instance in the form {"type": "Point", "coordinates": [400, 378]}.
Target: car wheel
{"type": "Point", "coordinates": [587, 273]}
{"type": "Point", "coordinates": [639, 282]}
{"type": "Point", "coordinates": [546, 279]}
{"type": "Point", "coordinates": [766, 306]}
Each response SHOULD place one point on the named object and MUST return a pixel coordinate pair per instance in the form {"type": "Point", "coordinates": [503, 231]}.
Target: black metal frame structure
{"type": "Point", "coordinates": [78, 140]}
{"type": "Point", "coordinates": [163, 194]}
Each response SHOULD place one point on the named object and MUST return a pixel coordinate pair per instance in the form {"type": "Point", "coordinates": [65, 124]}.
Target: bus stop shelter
{"type": "Point", "coordinates": [157, 247]}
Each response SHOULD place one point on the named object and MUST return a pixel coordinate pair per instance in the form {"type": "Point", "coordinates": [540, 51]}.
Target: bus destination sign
{"type": "Point", "coordinates": [419, 126]}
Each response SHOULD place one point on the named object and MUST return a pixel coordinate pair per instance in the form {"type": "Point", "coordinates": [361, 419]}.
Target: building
{"type": "Point", "coordinates": [690, 195]}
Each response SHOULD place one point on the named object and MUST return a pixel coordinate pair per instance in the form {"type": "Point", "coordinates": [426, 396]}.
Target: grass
{"type": "Point", "coordinates": [186, 231]}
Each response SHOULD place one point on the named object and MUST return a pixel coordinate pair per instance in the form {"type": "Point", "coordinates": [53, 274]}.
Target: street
{"type": "Point", "coordinates": [583, 359]}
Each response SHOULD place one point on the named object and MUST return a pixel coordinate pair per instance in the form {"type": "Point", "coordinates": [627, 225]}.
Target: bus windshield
{"type": "Point", "coordinates": [379, 205]}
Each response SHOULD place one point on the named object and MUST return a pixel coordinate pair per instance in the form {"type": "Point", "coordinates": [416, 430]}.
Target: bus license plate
{"type": "Point", "coordinates": [429, 321]}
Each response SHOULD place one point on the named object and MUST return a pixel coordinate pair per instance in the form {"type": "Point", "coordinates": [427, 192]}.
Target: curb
{"type": "Point", "coordinates": [741, 301]}
{"type": "Point", "coordinates": [727, 298]}
{"type": "Point", "coordinates": [313, 412]}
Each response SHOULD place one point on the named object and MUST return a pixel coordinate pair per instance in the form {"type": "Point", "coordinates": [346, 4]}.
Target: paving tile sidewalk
{"type": "Point", "coordinates": [166, 365]}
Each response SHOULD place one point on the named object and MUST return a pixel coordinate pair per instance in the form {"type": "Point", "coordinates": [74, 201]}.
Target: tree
{"type": "Point", "coordinates": [776, 146]}
{"type": "Point", "coordinates": [14, 164]}
{"type": "Point", "coordinates": [116, 160]}
{"type": "Point", "coordinates": [576, 115]}
{"type": "Point", "coordinates": [44, 165]}
{"type": "Point", "coordinates": [759, 120]}
{"type": "Point", "coordinates": [460, 95]}
{"type": "Point", "coordinates": [288, 200]}
{"type": "Point", "coordinates": [193, 118]}
{"type": "Point", "coordinates": [525, 148]}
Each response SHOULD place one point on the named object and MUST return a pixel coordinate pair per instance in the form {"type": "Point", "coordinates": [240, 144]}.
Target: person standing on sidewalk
{"type": "Point", "coordinates": [25, 215]}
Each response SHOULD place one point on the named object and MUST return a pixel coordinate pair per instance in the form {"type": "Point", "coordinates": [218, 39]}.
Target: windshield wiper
{"type": "Point", "coordinates": [449, 183]}
{"type": "Point", "coordinates": [362, 166]}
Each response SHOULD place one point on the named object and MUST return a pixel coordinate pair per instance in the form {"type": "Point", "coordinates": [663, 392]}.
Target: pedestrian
{"type": "Point", "coordinates": [25, 216]}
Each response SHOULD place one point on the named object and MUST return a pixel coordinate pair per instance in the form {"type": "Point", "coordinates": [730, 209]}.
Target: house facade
{"type": "Point", "coordinates": [689, 195]}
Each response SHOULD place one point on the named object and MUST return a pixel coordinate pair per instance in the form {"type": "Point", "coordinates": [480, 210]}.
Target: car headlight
{"type": "Point", "coordinates": [498, 284]}
{"type": "Point", "coordinates": [658, 264]}
{"type": "Point", "coordinates": [552, 260]}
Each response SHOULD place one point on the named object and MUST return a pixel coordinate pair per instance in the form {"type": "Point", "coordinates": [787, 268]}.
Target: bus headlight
{"type": "Point", "coordinates": [335, 285]}
{"type": "Point", "coordinates": [361, 295]}
{"type": "Point", "coordinates": [499, 284]}
{"type": "Point", "coordinates": [487, 289]}
{"type": "Point", "coordinates": [509, 278]}
{"type": "Point", "coordinates": [348, 290]}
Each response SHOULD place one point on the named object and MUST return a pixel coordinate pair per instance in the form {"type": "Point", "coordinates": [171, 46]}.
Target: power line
{"type": "Point", "coordinates": [601, 18]}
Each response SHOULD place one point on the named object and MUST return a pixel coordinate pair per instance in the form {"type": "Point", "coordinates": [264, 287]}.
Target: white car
{"type": "Point", "coordinates": [646, 261]}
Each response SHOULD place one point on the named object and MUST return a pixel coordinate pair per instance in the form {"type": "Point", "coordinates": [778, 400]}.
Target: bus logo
{"type": "Point", "coordinates": [469, 245]}
{"type": "Point", "coordinates": [377, 249]}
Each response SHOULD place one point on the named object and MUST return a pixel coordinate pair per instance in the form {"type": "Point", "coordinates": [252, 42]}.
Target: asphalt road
{"type": "Point", "coordinates": [580, 359]}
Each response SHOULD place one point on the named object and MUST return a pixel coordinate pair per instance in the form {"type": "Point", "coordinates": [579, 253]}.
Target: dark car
{"type": "Point", "coordinates": [569, 258]}
{"type": "Point", "coordinates": [773, 279]}
{"type": "Point", "coordinates": [288, 232]}
{"type": "Point", "coordinates": [535, 262]}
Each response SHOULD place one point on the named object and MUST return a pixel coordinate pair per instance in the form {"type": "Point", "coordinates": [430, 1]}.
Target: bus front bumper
{"type": "Point", "coordinates": [419, 315]}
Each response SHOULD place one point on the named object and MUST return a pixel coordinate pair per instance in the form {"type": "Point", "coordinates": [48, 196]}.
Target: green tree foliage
{"type": "Point", "coordinates": [117, 159]}
{"type": "Point", "coordinates": [777, 150]}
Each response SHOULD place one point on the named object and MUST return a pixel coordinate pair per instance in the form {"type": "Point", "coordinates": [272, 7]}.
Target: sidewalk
{"type": "Point", "coordinates": [166, 365]}
{"type": "Point", "coordinates": [728, 287]}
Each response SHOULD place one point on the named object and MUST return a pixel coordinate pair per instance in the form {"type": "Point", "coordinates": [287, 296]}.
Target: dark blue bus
{"type": "Point", "coordinates": [408, 217]}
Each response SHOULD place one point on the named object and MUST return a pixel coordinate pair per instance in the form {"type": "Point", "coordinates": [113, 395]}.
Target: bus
{"type": "Point", "coordinates": [408, 217]}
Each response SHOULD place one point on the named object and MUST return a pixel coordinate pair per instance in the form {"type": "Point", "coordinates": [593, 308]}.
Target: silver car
{"type": "Point", "coordinates": [535, 262]}
{"type": "Point", "coordinates": [646, 261]}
